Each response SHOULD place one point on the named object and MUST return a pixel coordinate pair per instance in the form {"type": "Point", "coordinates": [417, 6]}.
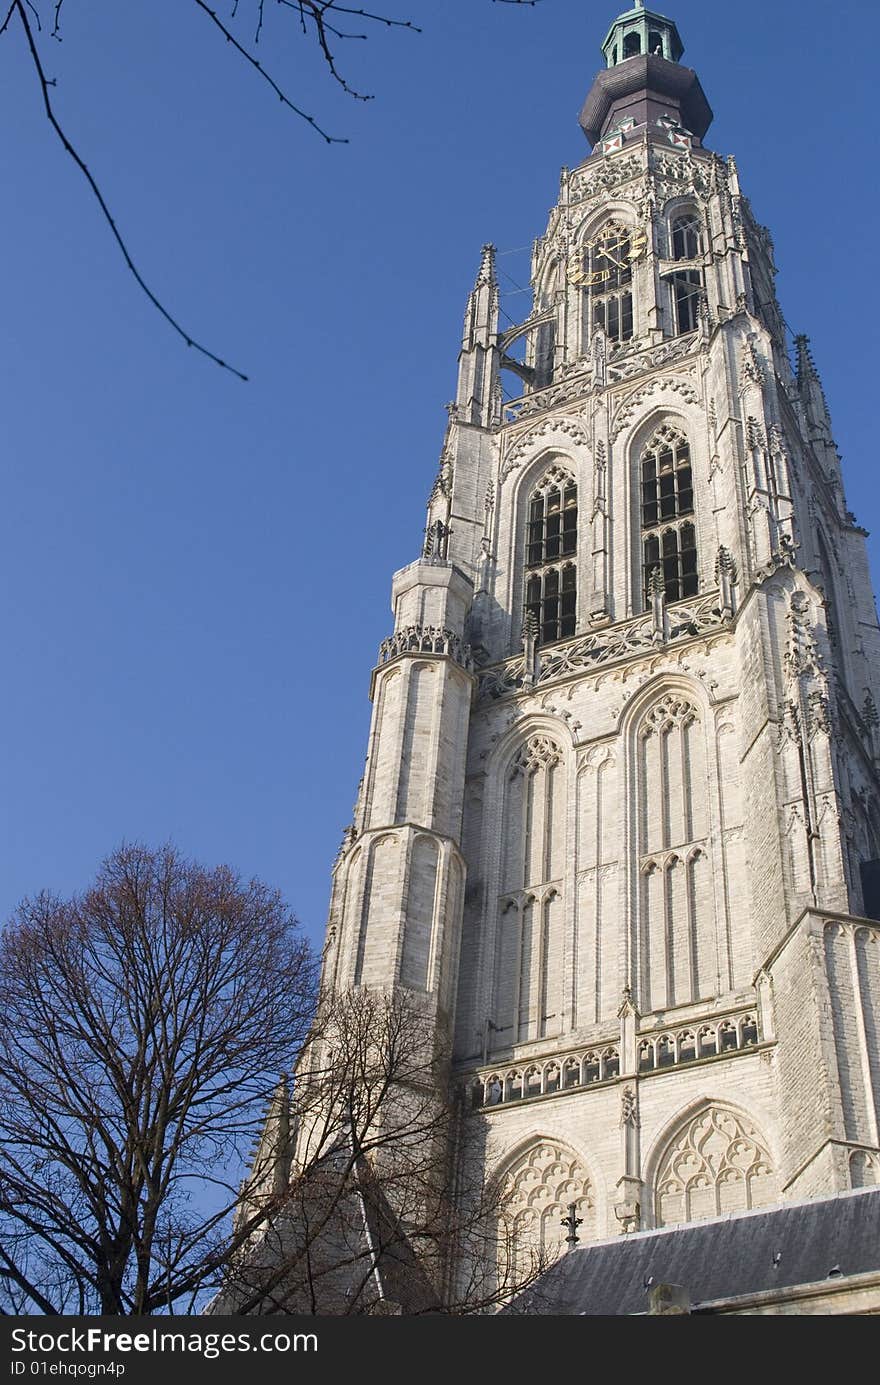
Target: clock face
{"type": "Point", "coordinates": [607, 258]}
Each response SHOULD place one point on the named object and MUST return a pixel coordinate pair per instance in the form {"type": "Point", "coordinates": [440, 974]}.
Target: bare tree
{"type": "Point", "coordinates": [161, 1029]}
{"type": "Point", "coordinates": [145, 1026]}
{"type": "Point", "coordinates": [367, 1191]}
{"type": "Point", "coordinates": [324, 25]}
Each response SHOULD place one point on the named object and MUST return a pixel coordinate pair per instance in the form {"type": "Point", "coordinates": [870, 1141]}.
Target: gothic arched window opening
{"type": "Point", "coordinates": [686, 237]}
{"type": "Point", "coordinates": [609, 281]}
{"type": "Point", "coordinates": [669, 540]}
{"type": "Point", "coordinates": [686, 284]}
{"type": "Point", "coordinates": [551, 543]}
{"type": "Point", "coordinates": [716, 1164]}
{"type": "Point", "coordinates": [632, 45]}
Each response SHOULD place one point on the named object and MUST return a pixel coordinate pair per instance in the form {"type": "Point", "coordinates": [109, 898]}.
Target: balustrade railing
{"type": "Point", "coordinates": [665, 1048]}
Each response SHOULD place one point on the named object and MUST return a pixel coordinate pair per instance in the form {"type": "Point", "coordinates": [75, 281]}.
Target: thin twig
{"type": "Point", "coordinates": [230, 38]}
{"type": "Point", "coordinates": [318, 10]}
{"type": "Point", "coordinates": [45, 83]}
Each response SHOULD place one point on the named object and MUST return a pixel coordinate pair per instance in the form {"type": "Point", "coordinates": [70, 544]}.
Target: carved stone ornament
{"type": "Point", "coordinates": [425, 639]}
{"type": "Point", "coordinates": [540, 1189]}
{"type": "Point", "coordinates": [567, 427]}
{"type": "Point", "coordinates": [609, 645]}
{"type": "Point", "coordinates": [717, 1163]}
{"type": "Point", "coordinates": [611, 174]}
{"type": "Point", "coordinates": [630, 404]}
{"type": "Point", "coordinates": [539, 752]}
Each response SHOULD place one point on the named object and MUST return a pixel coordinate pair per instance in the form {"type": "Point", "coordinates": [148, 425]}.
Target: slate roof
{"type": "Point", "coordinates": [719, 1259]}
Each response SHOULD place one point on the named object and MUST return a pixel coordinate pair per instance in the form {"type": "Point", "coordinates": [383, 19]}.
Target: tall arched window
{"type": "Point", "coordinates": [528, 980]}
{"type": "Point", "coordinates": [677, 954]}
{"type": "Point", "coordinates": [609, 282]}
{"type": "Point", "coordinates": [538, 1192]}
{"type": "Point", "coordinates": [551, 544]}
{"type": "Point", "coordinates": [686, 284]}
{"type": "Point", "coordinates": [717, 1163]}
{"type": "Point", "coordinates": [669, 539]}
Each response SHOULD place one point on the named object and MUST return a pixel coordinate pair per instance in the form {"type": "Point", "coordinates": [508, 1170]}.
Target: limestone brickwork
{"type": "Point", "coordinates": [623, 855]}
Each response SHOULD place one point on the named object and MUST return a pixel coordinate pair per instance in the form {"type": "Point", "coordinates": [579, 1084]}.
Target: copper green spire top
{"type": "Point", "coordinates": [639, 31]}
{"type": "Point", "coordinates": [643, 91]}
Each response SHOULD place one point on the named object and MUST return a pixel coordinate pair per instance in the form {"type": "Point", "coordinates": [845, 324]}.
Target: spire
{"type": "Point", "coordinates": [481, 317]}
{"type": "Point", "coordinates": [810, 386]}
{"type": "Point", "coordinates": [478, 362]}
{"type": "Point", "coordinates": [643, 88]}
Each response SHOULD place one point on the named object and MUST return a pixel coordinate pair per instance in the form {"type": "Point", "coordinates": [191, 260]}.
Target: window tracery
{"type": "Point", "coordinates": [686, 285]}
{"type": "Point", "coordinates": [669, 537]}
{"type": "Point", "coordinates": [551, 547]}
{"type": "Point", "coordinates": [716, 1163]}
{"type": "Point", "coordinates": [538, 1192]}
{"type": "Point", "coordinates": [528, 946]}
{"type": "Point", "coordinates": [676, 934]}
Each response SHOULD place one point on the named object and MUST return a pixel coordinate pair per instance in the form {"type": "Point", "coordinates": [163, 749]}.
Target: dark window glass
{"type": "Point", "coordinates": [667, 496]}
{"type": "Point", "coordinates": [687, 288]}
{"type": "Point", "coordinates": [551, 590]}
{"type": "Point", "coordinates": [870, 872]}
{"type": "Point", "coordinates": [626, 317]}
{"type": "Point", "coordinates": [686, 238]}
{"type": "Point", "coordinates": [687, 284]}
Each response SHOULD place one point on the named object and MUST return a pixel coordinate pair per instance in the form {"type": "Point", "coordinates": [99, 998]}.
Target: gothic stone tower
{"type": "Point", "coordinates": [619, 824]}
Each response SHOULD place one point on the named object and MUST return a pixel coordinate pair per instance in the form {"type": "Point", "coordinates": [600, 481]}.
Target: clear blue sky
{"type": "Point", "coordinates": [196, 571]}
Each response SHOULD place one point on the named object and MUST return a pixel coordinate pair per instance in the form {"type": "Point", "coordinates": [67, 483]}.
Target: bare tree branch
{"type": "Point", "coordinates": [319, 18]}
{"type": "Point", "coordinates": [285, 100]}
{"type": "Point", "coordinates": [375, 1141]}
{"type": "Point", "coordinates": [45, 83]}
{"type": "Point", "coordinates": [145, 1026]}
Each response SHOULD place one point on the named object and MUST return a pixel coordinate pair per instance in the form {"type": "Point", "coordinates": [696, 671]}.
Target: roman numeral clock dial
{"type": "Point", "coordinates": [607, 260]}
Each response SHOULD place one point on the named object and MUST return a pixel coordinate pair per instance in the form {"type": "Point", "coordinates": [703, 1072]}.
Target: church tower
{"type": "Point", "coordinates": [619, 826]}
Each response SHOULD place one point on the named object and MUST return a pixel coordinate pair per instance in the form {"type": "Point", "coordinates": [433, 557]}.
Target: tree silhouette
{"type": "Point", "coordinates": [146, 1023]}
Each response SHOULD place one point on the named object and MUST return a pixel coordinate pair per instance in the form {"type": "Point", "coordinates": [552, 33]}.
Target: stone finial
{"type": "Point", "coordinates": [627, 1003]}
{"type": "Point", "coordinates": [725, 576]}
{"type": "Point", "coordinates": [811, 392]}
{"type": "Point", "coordinates": [752, 370]}
{"type": "Point", "coordinates": [436, 542]}
{"type": "Point", "coordinates": [600, 357]}
{"type": "Point", "coordinates": [571, 1223]}
{"type": "Point", "coordinates": [530, 647]}
{"type": "Point", "coordinates": [806, 366]}
{"type": "Point", "coordinates": [486, 273]}
{"type": "Point", "coordinates": [657, 597]}
{"type": "Point", "coordinates": [628, 1108]}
